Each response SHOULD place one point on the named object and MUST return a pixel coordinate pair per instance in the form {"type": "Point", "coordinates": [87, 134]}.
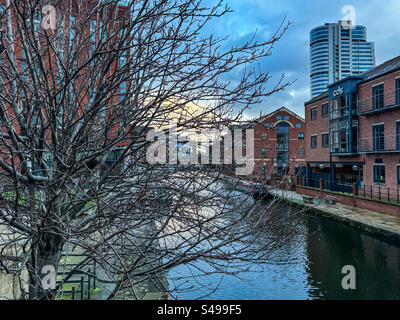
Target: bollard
{"type": "Point", "coordinates": [321, 184]}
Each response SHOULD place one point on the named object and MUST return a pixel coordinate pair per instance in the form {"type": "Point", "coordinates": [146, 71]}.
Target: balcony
{"type": "Point", "coordinates": [387, 144]}
{"type": "Point", "coordinates": [379, 102]}
{"type": "Point", "coordinates": [344, 149]}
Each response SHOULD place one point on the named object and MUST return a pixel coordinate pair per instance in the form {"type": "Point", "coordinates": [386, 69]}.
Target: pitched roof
{"type": "Point", "coordinates": [252, 123]}
{"type": "Point", "coordinates": [319, 97]}
{"type": "Point", "coordinates": [386, 67]}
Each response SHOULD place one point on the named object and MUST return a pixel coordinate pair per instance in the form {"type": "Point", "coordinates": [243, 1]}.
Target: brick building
{"type": "Point", "coordinates": [353, 132]}
{"type": "Point", "coordinates": [278, 143]}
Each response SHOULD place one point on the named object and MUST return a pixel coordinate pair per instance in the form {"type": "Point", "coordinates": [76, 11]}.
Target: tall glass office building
{"type": "Point", "coordinates": [336, 52]}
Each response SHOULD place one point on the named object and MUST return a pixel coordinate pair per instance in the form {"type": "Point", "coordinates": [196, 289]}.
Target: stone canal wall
{"type": "Point", "coordinates": [357, 202]}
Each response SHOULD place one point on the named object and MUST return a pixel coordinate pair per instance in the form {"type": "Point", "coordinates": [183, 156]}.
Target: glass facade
{"type": "Point", "coordinates": [282, 132]}
{"type": "Point", "coordinates": [336, 53]}
{"type": "Point", "coordinates": [344, 124]}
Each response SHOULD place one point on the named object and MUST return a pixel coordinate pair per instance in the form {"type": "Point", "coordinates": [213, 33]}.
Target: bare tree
{"type": "Point", "coordinates": [76, 103]}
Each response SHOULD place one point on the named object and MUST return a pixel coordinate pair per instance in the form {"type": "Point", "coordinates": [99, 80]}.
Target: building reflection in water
{"type": "Point", "coordinates": [332, 245]}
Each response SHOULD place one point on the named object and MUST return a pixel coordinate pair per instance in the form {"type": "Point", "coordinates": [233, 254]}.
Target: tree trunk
{"type": "Point", "coordinates": [46, 252]}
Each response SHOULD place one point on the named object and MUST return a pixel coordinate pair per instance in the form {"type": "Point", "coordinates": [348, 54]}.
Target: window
{"type": "Point", "coordinates": [72, 27]}
{"type": "Point", "coordinates": [398, 91]}
{"type": "Point", "coordinates": [398, 175]}
{"type": "Point", "coordinates": [282, 139]}
{"type": "Point", "coordinates": [278, 117]}
{"type": "Point", "coordinates": [93, 30]}
{"type": "Point", "coordinates": [263, 153]}
{"type": "Point", "coordinates": [313, 142]}
{"type": "Point", "coordinates": [379, 137]}
{"type": "Point", "coordinates": [378, 96]}
{"type": "Point", "coordinates": [286, 118]}
{"type": "Point", "coordinates": [325, 140]}
{"type": "Point", "coordinates": [267, 124]}
{"type": "Point", "coordinates": [314, 114]}
{"type": "Point", "coordinates": [123, 90]}
{"type": "Point", "coordinates": [325, 110]}
{"type": "Point", "coordinates": [301, 136]}
{"type": "Point", "coordinates": [264, 136]}
{"type": "Point", "coordinates": [301, 152]}
{"type": "Point", "coordinates": [379, 173]}
{"type": "Point", "coordinates": [298, 125]}
{"type": "Point", "coordinates": [398, 135]}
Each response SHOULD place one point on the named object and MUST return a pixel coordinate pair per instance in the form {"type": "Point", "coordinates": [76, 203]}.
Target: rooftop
{"type": "Point", "coordinates": [386, 67]}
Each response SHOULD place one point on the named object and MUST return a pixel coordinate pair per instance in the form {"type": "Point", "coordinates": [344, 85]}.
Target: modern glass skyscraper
{"type": "Point", "coordinates": [336, 52]}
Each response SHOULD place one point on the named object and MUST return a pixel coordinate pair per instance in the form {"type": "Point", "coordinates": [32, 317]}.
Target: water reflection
{"type": "Point", "coordinates": [309, 267]}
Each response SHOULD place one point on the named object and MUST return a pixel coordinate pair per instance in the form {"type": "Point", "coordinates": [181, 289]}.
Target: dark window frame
{"type": "Point", "coordinates": [313, 113]}
{"type": "Point", "coordinates": [314, 138]}
{"type": "Point", "coordinates": [325, 110]}
{"type": "Point", "coordinates": [379, 178]}
{"type": "Point", "coordinates": [378, 96]}
{"type": "Point", "coordinates": [325, 144]}
{"type": "Point", "coordinates": [378, 136]}
{"type": "Point", "coordinates": [264, 153]}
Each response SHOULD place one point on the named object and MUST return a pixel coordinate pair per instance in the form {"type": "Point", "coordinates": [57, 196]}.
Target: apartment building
{"type": "Point", "coordinates": [353, 133]}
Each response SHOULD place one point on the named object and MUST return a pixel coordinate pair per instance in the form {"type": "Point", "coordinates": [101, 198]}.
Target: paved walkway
{"type": "Point", "coordinates": [366, 220]}
{"type": "Point", "coordinates": [370, 221]}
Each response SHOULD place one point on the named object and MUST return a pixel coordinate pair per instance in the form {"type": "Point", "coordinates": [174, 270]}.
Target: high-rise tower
{"type": "Point", "coordinates": [336, 52]}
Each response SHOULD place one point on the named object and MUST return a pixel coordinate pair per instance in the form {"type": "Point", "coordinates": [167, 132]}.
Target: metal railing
{"type": "Point", "coordinates": [373, 192]}
{"type": "Point", "coordinates": [380, 101]}
{"type": "Point", "coordinates": [381, 193]}
{"type": "Point", "coordinates": [379, 144]}
{"type": "Point", "coordinates": [328, 185]}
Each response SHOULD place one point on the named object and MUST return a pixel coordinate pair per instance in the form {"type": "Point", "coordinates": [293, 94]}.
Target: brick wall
{"type": "Point", "coordinates": [377, 206]}
{"type": "Point", "coordinates": [271, 143]}
{"type": "Point", "coordinates": [316, 127]}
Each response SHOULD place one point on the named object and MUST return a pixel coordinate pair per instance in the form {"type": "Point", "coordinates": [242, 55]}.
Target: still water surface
{"type": "Point", "coordinates": [316, 257]}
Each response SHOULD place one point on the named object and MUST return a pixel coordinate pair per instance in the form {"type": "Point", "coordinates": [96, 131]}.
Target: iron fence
{"type": "Point", "coordinates": [373, 192]}
{"type": "Point", "coordinates": [381, 193]}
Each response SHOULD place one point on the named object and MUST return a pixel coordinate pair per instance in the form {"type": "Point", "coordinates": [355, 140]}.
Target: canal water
{"type": "Point", "coordinates": [311, 269]}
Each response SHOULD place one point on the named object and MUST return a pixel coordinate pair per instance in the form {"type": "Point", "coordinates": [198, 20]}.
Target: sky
{"type": "Point", "coordinates": [291, 53]}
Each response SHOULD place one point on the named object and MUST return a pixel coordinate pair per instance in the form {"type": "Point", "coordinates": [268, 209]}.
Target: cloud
{"type": "Point", "coordinates": [291, 53]}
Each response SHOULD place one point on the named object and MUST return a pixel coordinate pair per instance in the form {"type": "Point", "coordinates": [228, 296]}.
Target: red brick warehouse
{"type": "Point", "coordinates": [278, 143]}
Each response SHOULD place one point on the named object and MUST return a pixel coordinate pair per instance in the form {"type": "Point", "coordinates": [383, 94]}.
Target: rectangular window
{"type": "Point", "coordinates": [314, 114]}
{"type": "Point", "coordinates": [379, 137]}
{"type": "Point", "coordinates": [325, 110]}
{"type": "Point", "coordinates": [123, 90]}
{"type": "Point", "coordinates": [264, 136]}
{"type": "Point", "coordinates": [398, 175]}
{"type": "Point", "coordinates": [325, 140]}
{"type": "Point", "coordinates": [378, 96]}
{"type": "Point", "coordinates": [398, 91]}
{"type": "Point", "coordinates": [313, 142]}
{"type": "Point", "coordinates": [263, 153]}
{"type": "Point", "coordinates": [278, 117]}
{"type": "Point", "coordinates": [379, 174]}
{"type": "Point", "coordinates": [301, 152]}
{"type": "Point", "coordinates": [398, 135]}
{"type": "Point", "coordinates": [298, 125]}
{"type": "Point", "coordinates": [72, 27]}
{"type": "Point", "coordinates": [301, 136]}
{"type": "Point", "coordinates": [286, 118]}
{"type": "Point", "coordinates": [93, 30]}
